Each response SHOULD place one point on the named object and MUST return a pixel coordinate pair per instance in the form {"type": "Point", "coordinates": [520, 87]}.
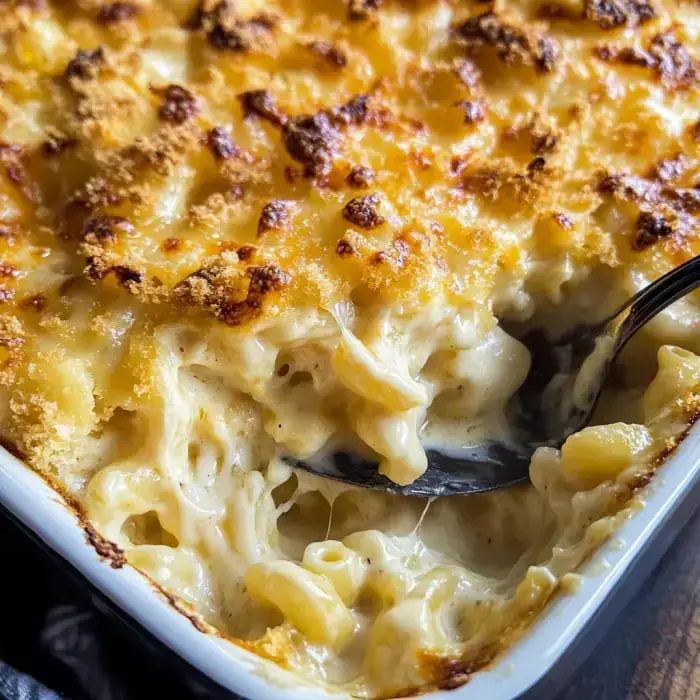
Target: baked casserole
{"type": "Point", "coordinates": [236, 230]}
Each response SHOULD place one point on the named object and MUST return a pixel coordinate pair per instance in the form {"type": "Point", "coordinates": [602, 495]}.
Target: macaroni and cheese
{"type": "Point", "coordinates": [235, 230]}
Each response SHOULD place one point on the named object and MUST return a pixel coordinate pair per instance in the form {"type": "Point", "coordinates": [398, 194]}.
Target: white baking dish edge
{"type": "Point", "coordinates": [526, 663]}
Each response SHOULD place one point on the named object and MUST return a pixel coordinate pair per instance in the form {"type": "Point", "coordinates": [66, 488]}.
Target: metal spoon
{"type": "Point", "coordinates": [556, 400]}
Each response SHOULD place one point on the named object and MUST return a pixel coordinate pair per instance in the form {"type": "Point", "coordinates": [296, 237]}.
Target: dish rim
{"type": "Point", "coordinates": [518, 670]}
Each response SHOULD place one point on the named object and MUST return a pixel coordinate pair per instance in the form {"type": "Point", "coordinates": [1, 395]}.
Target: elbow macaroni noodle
{"type": "Point", "coordinates": [234, 231]}
{"type": "Point", "coordinates": [308, 600]}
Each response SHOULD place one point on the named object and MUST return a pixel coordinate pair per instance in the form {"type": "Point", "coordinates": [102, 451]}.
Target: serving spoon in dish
{"type": "Point", "coordinates": [557, 399]}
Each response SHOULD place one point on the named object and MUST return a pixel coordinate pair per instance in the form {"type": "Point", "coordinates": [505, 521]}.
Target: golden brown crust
{"type": "Point", "coordinates": [360, 177]}
{"type": "Point", "coordinates": [670, 169]}
{"type": "Point", "coordinates": [57, 143]}
{"type": "Point", "coordinates": [224, 31]}
{"type": "Point", "coordinates": [274, 215]}
{"type": "Point", "coordinates": [650, 227]}
{"type": "Point", "coordinates": [666, 212]}
{"type": "Point", "coordinates": [314, 140]}
{"type": "Point", "coordinates": [246, 253]}
{"type": "Point", "coordinates": [13, 160]}
{"type": "Point", "coordinates": [231, 295]}
{"type": "Point", "coordinates": [167, 145]}
{"type": "Point", "coordinates": [221, 144]}
{"type": "Point", "coordinates": [85, 65]}
{"type": "Point", "coordinates": [695, 131]}
{"type": "Point", "coordinates": [664, 54]}
{"type": "Point", "coordinates": [261, 103]}
{"type": "Point", "coordinates": [344, 248]}
{"type": "Point", "coordinates": [363, 212]}
{"type": "Point", "coordinates": [513, 43]}
{"type": "Point", "coordinates": [178, 105]}
{"type": "Point", "coordinates": [11, 332]}
{"type": "Point", "coordinates": [116, 12]}
{"type": "Point", "coordinates": [102, 229]}
{"type": "Point", "coordinates": [473, 111]}
{"type": "Point", "coordinates": [363, 9]}
{"type": "Point", "coordinates": [610, 14]}
{"type": "Point", "coordinates": [329, 52]}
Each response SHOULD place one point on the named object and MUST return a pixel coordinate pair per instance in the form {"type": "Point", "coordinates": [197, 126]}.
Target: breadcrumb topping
{"type": "Point", "coordinates": [232, 161]}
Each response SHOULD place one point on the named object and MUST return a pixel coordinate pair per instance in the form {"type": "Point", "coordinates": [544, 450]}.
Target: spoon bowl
{"type": "Point", "coordinates": [556, 399]}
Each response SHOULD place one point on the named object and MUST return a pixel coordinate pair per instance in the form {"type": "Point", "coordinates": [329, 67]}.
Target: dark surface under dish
{"type": "Point", "coordinates": [62, 635]}
{"type": "Point", "coordinates": [57, 631]}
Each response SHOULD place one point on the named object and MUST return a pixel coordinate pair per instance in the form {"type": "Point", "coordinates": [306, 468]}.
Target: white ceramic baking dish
{"type": "Point", "coordinates": [534, 667]}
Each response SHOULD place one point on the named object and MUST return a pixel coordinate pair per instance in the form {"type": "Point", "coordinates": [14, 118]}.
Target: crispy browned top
{"type": "Point", "coordinates": [172, 152]}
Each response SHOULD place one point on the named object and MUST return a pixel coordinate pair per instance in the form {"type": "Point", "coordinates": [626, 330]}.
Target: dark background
{"type": "Point", "coordinates": [50, 629]}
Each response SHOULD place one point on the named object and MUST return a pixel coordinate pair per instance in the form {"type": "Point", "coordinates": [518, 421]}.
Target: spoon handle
{"type": "Point", "coordinates": [654, 298]}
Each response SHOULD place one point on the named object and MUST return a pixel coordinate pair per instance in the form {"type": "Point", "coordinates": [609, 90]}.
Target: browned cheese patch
{"type": "Point", "coordinates": [314, 140]}
{"type": "Point", "coordinates": [221, 144]}
{"type": "Point", "coordinates": [233, 296]}
{"type": "Point", "coordinates": [225, 31]}
{"type": "Point", "coordinates": [609, 14]}
{"type": "Point", "coordinates": [473, 111]}
{"type": "Point", "coordinates": [179, 105]}
{"type": "Point", "coordinates": [118, 12]}
{"type": "Point", "coordinates": [261, 103]}
{"type": "Point", "coordinates": [514, 43]}
{"type": "Point", "coordinates": [274, 215]}
{"type": "Point", "coordinates": [329, 52]}
{"type": "Point", "coordinates": [363, 9]}
{"type": "Point", "coordinates": [666, 212]}
{"type": "Point", "coordinates": [664, 55]}
{"type": "Point", "coordinates": [363, 212]}
{"type": "Point", "coordinates": [86, 64]}
{"type": "Point", "coordinates": [360, 177]}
